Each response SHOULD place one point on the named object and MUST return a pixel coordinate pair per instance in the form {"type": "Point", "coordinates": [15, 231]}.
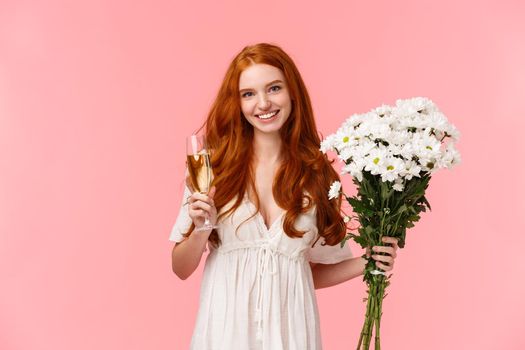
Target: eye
{"type": "Point", "coordinates": [246, 94]}
{"type": "Point", "coordinates": [275, 88]}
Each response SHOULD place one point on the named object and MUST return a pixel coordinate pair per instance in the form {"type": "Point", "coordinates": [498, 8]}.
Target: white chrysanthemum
{"type": "Point", "coordinates": [427, 164]}
{"type": "Point", "coordinates": [453, 132]}
{"type": "Point", "coordinates": [363, 133]}
{"type": "Point", "coordinates": [437, 121]}
{"type": "Point", "coordinates": [383, 110]}
{"type": "Point", "coordinates": [398, 185]}
{"type": "Point", "coordinates": [355, 168]}
{"type": "Point", "coordinates": [391, 168]}
{"type": "Point", "coordinates": [346, 154]}
{"type": "Point", "coordinates": [365, 147]}
{"type": "Point", "coordinates": [357, 153]}
{"type": "Point", "coordinates": [456, 158]}
{"type": "Point", "coordinates": [407, 151]}
{"type": "Point", "coordinates": [426, 147]}
{"type": "Point", "coordinates": [375, 159]}
{"type": "Point", "coordinates": [421, 104]}
{"type": "Point", "coordinates": [344, 137]}
{"type": "Point", "coordinates": [398, 143]}
{"type": "Point", "coordinates": [327, 144]}
{"type": "Point", "coordinates": [407, 123]}
{"type": "Point", "coordinates": [450, 157]}
{"type": "Point", "coordinates": [404, 111]}
{"type": "Point", "coordinates": [411, 169]}
{"type": "Point", "coordinates": [335, 190]}
{"type": "Point", "coordinates": [400, 137]}
{"type": "Point", "coordinates": [353, 121]}
{"type": "Point", "coordinates": [380, 131]}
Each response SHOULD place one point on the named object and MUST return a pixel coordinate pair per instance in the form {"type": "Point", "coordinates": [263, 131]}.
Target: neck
{"type": "Point", "coordinates": [267, 148]}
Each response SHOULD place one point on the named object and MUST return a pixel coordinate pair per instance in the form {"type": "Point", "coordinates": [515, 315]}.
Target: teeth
{"type": "Point", "coordinates": [266, 116]}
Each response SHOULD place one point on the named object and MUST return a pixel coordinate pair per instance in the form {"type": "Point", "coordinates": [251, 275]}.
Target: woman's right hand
{"type": "Point", "coordinates": [201, 206]}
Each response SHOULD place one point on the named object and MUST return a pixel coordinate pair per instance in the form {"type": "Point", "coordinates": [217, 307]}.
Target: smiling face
{"type": "Point", "coordinates": [265, 98]}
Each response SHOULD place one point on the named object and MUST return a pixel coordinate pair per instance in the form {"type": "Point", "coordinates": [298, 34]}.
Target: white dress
{"type": "Point", "coordinates": [257, 290]}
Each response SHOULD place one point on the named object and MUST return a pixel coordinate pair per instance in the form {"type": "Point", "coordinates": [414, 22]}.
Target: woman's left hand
{"type": "Point", "coordinates": [385, 262]}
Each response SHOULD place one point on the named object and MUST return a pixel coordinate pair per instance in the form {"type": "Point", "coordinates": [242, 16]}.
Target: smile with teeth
{"type": "Point", "coordinates": [267, 115]}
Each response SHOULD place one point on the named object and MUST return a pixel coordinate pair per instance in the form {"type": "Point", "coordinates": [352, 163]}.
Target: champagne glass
{"type": "Point", "coordinates": [199, 169]}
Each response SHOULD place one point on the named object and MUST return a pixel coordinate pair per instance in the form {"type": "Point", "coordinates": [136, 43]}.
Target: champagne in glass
{"type": "Point", "coordinates": [199, 169]}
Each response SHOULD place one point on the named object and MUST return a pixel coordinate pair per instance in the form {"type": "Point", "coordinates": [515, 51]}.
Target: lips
{"type": "Point", "coordinates": [267, 116]}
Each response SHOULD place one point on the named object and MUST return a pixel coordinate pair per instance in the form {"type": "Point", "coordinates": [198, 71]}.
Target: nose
{"type": "Point", "coordinates": [263, 102]}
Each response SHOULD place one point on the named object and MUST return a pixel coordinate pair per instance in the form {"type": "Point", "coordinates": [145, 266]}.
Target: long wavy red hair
{"type": "Point", "coordinates": [304, 166]}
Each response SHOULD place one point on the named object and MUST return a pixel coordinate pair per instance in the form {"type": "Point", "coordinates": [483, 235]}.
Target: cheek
{"type": "Point", "coordinates": [246, 108]}
{"type": "Point", "coordinates": [246, 111]}
{"type": "Point", "coordinates": [284, 101]}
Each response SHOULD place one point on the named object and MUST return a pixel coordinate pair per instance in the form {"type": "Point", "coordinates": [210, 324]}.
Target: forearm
{"type": "Point", "coordinates": [327, 275]}
{"type": "Point", "coordinates": [186, 255]}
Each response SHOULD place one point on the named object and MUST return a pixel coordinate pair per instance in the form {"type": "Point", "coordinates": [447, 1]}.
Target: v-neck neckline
{"type": "Point", "coordinates": [261, 218]}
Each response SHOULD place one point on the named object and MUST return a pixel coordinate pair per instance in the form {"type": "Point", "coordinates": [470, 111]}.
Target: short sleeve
{"type": "Point", "coordinates": [327, 254]}
{"type": "Point", "coordinates": [183, 222]}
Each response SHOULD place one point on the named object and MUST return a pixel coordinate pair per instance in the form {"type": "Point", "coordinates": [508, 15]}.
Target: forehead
{"type": "Point", "coordinates": [258, 75]}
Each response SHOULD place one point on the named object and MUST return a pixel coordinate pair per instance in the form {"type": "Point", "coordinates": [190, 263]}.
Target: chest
{"type": "Point", "coordinates": [268, 208]}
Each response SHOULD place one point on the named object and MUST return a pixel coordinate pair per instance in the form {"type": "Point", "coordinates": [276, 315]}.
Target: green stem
{"type": "Point", "coordinates": [370, 318]}
{"type": "Point", "coordinates": [366, 334]}
{"type": "Point", "coordinates": [378, 314]}
{"type": "Point", "coordinates": [364, 331]}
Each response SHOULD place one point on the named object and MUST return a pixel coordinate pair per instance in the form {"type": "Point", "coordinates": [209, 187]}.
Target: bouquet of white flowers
{"type": "Point", "coordinates": [391, 152]}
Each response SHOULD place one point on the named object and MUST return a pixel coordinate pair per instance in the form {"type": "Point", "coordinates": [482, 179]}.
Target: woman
{"type": "Point", "coordinates": [278, 233]}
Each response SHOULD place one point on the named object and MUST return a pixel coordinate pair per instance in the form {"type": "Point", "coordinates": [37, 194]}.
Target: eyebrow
{"type": "Point", "coordinates": [270, 83]}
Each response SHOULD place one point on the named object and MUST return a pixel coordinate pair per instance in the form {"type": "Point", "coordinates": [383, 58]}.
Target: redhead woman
{"type": "Point", "coordinates": [277, 236]}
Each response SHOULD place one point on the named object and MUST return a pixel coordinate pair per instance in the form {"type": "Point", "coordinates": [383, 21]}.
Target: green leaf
{"type": "Point", "coordinates": [426, 202]}
{"type": "Point", "coordinates": [362, 241]}
{"type": "Point", "coordinates": [359, 206]}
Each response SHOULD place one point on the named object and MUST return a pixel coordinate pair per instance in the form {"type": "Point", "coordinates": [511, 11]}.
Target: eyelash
{"type": "Point", "coordinates": [249, 92]}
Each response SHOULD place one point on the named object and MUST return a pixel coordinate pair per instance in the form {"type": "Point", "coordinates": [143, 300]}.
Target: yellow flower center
{"type": "Point", "coordinates": [390, 167]}
{"type": "Point", "coordinates": [345, 139]}
{"type": "Point", "coordinates": [376, 160]}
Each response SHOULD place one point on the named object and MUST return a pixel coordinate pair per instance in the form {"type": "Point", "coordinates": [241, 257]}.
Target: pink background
{"type": "Point", "coordinates": [97, 96]}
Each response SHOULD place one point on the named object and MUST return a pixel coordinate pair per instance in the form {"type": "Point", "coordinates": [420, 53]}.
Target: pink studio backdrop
{"type": "Point", "coordinates": [97, 96]}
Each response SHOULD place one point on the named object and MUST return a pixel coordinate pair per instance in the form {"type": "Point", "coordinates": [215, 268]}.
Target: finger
{"type": "Point", "coordinates": [197, 212]}
{"type": "Point", "coordinates": [384, 249]}
{"type": "Point", "coordinates": [384, 258]}
{"type": "Point", "coordinates": [383, 266]}
{"type": "Point", "coordinates": [201, 197]}
{"type": "Point", "coordinates": [391, 240]}
{"type": "Point", "coordinates": [201, 205]}
{"type": "Point", "coordinates": [386, 266]}
{"type": "Point", "coordinates": [396, 243]}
